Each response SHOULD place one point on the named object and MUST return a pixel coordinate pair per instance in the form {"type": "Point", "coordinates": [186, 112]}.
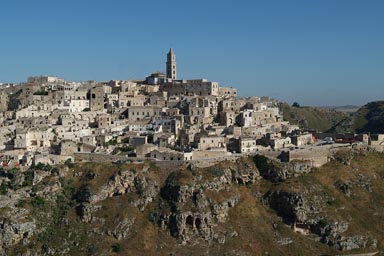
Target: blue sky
{"type": "Point", "coordinates": [328, 52]}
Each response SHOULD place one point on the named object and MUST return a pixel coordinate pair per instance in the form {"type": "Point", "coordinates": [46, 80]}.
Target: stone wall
{"type": "Point", "coordinates": [318, 155]}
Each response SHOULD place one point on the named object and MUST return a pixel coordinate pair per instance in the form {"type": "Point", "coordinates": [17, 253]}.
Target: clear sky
{"type": "Point", "coordinates": [324, 52]}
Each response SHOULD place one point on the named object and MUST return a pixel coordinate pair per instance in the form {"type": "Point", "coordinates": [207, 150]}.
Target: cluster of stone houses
{"type": "Point", "coordinates": [50, 120]}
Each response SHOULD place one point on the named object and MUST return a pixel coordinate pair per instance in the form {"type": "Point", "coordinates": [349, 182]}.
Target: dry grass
{"type": "Point", "coordinates": [252, 220]}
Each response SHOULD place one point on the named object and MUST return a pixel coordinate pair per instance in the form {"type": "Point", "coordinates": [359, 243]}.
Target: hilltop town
{"type": "Point", "coordinates": [51, 120]}
{"type": "Point", "coordinates": [163, 166]}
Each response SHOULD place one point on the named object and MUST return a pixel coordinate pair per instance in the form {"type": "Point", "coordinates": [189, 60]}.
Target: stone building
{"type": "Point", "coordinates": [157, 77]}
{"type": "Point", "coordinates": [45, 79]}
{"type": "Point", "coordinates": [227, 118]}
{"type": "Point", "coordinates": [166, 154]}
{"type": "Point", "coordinates": [105, 121]}
{"type": "Point", "coordinates": [212, 143]}
{"type": "Point", "coordinates": [248, 145]}
{"type": "Point", "coordinates": [167, 125]}
{"type": "Point", "coordinates": [235, 105]}
{"type": "Point", "coordinates": [34, 139]}
{"type": "Point", "coordinates": [139, 112]}
{"type": "Point", "coordinates": [171, 65]}
{"type": "Point", "coordinates": [3, 100]}
{"type": "Point", "coordinates": [377, 142]}
{"type": "Point", "coordinates": [78, 105]}
{"type": "Point", "coordinates": [302, 139]}
{"type": "Point", "coordinates": [127, 100]}
{"type": "Point", "coordinates": [68, 147]}
{"type": "Point", "coordinates": [34, 111]}
{"type": "Point", "coordinates": [138, 140]}
{"type": "Point", "coordinates": [248, 118]}
{"type": "Point", "coordinates": [227, 92]}
{"type": "Point", "coordinates": [200, 87]}
{"type": "Point", "coordinates": [96, 97]}
{"type": "Point", "coordinates": [144, 150]}
{"type": "Point", "coordinates": [280, 142]}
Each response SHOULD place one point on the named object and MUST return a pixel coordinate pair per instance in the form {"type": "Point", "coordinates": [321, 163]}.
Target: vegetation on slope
{"type": "Point", "coordinates": [368, 119]}
{"type": "Point", "coordinates": [319, 119]}
{"type": "Point", "coordinates": [67, 222]}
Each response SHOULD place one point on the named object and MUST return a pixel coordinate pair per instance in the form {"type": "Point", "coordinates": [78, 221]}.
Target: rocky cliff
{"type": "Point", "coordinates": [252, 206]}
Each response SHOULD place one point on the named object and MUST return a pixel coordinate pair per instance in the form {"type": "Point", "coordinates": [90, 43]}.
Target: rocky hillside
{"type": "Point", "coordinates": [319, 119]}
{"type": "Point", "coordinates": [253, 206]}
{"type": "Point", "coordinates": [369, 118]}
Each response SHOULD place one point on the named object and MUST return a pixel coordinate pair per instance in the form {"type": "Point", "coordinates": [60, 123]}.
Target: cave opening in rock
{"type": "Point", "coordinates": [198, 223]}
{"type": "Point", "coordinates": [189, 220]}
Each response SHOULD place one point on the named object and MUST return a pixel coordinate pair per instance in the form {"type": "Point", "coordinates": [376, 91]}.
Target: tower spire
{"type": "Point", "coordinates": [171, 65]}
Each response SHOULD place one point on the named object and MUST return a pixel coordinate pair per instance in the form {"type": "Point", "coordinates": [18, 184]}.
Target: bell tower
{"type": "Point", "coordinates": [171, 65]}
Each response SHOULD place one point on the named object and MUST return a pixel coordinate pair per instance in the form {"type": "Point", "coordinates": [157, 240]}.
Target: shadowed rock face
{"type": "Point", "coordinates": [190, 214]}
{"type": "Point", "coordinates": [187, 225]}
{"type": "Point", "coordinates": [304, 209]}
{"type": "Point", "coordinates": [278, 172]}
{"type": "Point", "coordinates": [294, 207]}
{"type": "Point", "coordinates": [15, 231]}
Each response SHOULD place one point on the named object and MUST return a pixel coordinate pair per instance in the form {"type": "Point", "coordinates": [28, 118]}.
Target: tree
{"type": "Point", "coordinates": [69, 163]}
{"type": "Point", "coordinates": [296, 105]}
{"type": "Point", "coordinates": [116, 248]}
{"type": "Point", "coordinates": [261, 163]}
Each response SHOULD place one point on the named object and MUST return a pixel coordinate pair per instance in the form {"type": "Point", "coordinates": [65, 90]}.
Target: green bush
{"type": "Point", "coordinates": [153, 165]}
{"type": "Point", "coordinates": [3, 189]}
{"type": "Point", "coordinates": [83, 194]}
{"type": "Point", "coordinates": [55, 171]}
{"type": "Point", "coordinates": [116, 248]}
{"type": "Point", "coordinates": [41, 92]}
{"type": "Point", "coordinates": [125, 140]}
{"type": "Point", "coordinates": [41, 166]}
{"type": "Point", "coordinates": [13, 171]}
{"type": "Point", "coordinates": [63, 205]}
{"type": "Point", "coordinates": [112, 141]}
{"type": "Point", "coordinates": [69, 189]}
{"type": "Point", "coordinates": [46, 235]}
{"type": "Point", "coordinates": [296, 105]}
{"type": "Point", "coordinates": [154, 217]}
{"type": "Point", "coordinates": [28, 178]}
{"type": "Point", "coordinates": [217, 172]}
{"type": "Point", "coordinates": [262, 163]}
{"type": "Point", "coordinates": [38, 202]}
{"type": "Point", "coordinates": [21, 203]}
{"type": "Point", "coordinates": [69, 163]}
{"type": "Point", "coordinates": [126, 148]}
